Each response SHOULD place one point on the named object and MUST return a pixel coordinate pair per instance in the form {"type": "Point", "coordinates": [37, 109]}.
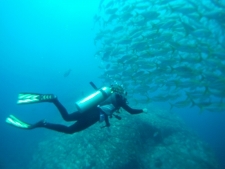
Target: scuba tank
{"type": "Point", "coordinates": [94, 99]}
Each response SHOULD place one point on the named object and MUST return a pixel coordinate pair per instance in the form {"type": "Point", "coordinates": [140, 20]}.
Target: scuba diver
{"type": "Point", "coordinates": [97, 107]}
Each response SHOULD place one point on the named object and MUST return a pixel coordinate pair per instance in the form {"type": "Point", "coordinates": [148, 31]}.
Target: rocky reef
{"type": "Point", "coordinates": [156, 140]}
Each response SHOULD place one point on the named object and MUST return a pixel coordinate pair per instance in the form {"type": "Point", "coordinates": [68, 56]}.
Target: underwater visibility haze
{"type": "Point", "coordinates": [169, 55]}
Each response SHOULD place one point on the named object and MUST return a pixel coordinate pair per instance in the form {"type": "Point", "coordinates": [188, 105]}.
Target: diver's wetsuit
{"type": "Point", "coordinates": [88, 118]}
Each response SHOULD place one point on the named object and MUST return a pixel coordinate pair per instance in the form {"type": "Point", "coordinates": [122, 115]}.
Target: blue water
{"type": "Point", "coordinates": [209, 127]}
{"type": "Point", "coordinates": [39, 42]}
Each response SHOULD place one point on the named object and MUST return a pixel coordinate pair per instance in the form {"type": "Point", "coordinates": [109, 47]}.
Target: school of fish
{"type": "Point", "coordinates": [164, 50]}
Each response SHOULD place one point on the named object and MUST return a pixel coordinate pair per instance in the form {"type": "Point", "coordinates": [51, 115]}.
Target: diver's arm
{"type": "Point", "coordinates": [131, 110]}
{"type": "Point", "coordinates": [122, 101]}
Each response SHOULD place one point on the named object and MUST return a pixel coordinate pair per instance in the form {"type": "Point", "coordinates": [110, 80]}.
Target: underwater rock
{"type": "Point", "coordinates": [132, 143]}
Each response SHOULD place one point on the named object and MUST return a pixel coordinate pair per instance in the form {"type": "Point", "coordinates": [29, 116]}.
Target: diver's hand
{"type": "Point", "coordinates": [145, 110]}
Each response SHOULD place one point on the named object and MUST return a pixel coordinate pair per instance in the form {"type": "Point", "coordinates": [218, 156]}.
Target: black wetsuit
{"type": "Point", "coordinates": [88, 118]}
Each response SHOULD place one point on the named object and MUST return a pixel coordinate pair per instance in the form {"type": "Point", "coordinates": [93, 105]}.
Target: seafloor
{"type": "Point", "coordinates": [156, 140]}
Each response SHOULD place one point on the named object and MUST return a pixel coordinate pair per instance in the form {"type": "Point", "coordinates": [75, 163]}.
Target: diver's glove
{"type": "Point", "coordinates": [145, 110]}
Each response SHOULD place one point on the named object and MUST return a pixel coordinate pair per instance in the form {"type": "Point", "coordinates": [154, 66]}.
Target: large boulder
{"type": "Point", "coordinates": [157, 140]}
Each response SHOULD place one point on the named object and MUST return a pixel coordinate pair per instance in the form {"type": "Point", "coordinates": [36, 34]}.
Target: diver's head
{"type": "Point", "coordinates": [118, 89]}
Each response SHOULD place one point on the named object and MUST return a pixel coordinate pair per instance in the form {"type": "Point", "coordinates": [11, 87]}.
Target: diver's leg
{"type": "Point", "coordinates": [67, 117]}
{"type": "Point", "coordinates": [44, 124]}
{"type": "Point", "coordinates": [55, 127]}
{"type": "Point", "coordinates": [86, 120]}
{"type": "Point", "coordinates": [76, 127]}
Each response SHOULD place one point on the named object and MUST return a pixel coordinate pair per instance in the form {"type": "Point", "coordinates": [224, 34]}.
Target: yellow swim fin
{"type": "Point", "coordinates": [25, 98]}
{"type": "Point", "coordinates": [12, 120]}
